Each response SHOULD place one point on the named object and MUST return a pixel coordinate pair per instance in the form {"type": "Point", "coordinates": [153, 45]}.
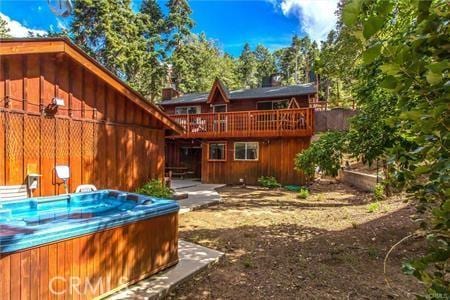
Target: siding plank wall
{"type": "Point", "coordinates": [276, 158]}
{"type": "Point", "coordinates": [104, 138]}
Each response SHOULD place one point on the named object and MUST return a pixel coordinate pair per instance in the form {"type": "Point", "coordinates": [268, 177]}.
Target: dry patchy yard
{"type": "Point", "coordinates": [280, 247]}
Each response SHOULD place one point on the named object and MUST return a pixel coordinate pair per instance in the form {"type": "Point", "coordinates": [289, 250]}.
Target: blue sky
{"type": "Point", "coordinates": [230, 23]}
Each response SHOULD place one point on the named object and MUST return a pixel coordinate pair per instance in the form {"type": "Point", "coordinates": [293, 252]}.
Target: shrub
{"type": "Point", "coordinates": [378, 192]}
{"type": "Point", "coordinates": [373, 207]}
{"type": "Point", "coordinates": [325, 154]}
{"type": "Point", "coordinates": [268, 182]}
{"type": "Point", "coordinates": [303, 193]}
{"type": "Point", "coordinates": [154, 188]}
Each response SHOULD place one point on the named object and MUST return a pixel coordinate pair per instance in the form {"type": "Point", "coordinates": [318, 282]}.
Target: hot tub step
{"type": "Point", "coordinates": [193, 258]}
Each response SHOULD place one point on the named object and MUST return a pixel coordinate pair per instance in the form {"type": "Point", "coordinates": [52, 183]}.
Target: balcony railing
{"type": "Point", "coordinates": [256, 123]}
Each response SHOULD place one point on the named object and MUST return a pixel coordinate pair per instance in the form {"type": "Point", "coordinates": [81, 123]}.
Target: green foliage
{"type": "Point", "coordinates": [179, 22]}
{"type": "Point", "coordinates": [297, 62]}
{"type": "Point", "coordinates": [268, 182]}
{"type": "Point", "coordinates": [407, 44]}
{"type": "Point", "coordinates": [325, 153]}
{"type": "Point", "coordinates": [303, 193]}
{"type": "Point", "coordinates": [246, 67]}
{"type": "Point", "coordinates": [128, 43]}
{"type": "Point", "coordinates": [373, 207]}
{"type": "Point", "coordinates": [378, 192]}
{"type": "Point", "coordinates": [265, 62]}
{"type": "Point", "coordinates": [199, 62]}
{"type": "Point", "coordinates": [4, 30]}
{"type": "Point", "coordinates": [154, 188]}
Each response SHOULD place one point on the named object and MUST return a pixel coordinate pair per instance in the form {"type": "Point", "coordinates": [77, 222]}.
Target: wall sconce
{"type": "Point", "coordinates": [56, 102]}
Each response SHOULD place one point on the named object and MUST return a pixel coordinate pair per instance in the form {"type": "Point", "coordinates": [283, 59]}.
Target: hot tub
{"type": "Point", "coordinates": [84, 244]}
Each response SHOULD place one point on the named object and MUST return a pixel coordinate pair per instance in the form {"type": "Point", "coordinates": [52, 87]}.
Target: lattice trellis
{"type": "Point", "coordinates": [76, 132]}
{"type": "Point", "coordinates": [32, 137]}
{"type": "Point", "coordinates": [47, 138]}
{"type": "Point", "coordinates": [62, 140]}
{"type": "Point", "coordinates": [14, 136]}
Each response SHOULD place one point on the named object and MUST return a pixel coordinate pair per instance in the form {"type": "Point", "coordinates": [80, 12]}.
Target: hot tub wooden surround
{"type": "Point", "coordinates": [92, 265]}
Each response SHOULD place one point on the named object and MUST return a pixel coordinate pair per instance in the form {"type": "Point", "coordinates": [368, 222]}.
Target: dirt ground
{"type": "Point", "coordinates": [328, 246]}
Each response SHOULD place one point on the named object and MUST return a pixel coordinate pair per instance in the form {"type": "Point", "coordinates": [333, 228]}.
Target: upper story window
{"type": "Point", "coordinates": [187, 110]}
{"type": "Point", "coordinates": [219, 108]}
{"type": "Point", "coordinates": [270, 105]}
{"type": "Point", "coordinates": [246, 151]}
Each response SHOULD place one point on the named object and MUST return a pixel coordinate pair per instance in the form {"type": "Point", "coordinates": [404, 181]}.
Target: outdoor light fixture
{"type": "Point", "coordinates": [57, 102]}
{"type": "Point", "coordinates": [63, 173]}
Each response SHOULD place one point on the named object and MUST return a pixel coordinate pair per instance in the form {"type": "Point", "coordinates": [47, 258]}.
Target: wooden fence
{"type": "Point", "coordinates": [108, 154]}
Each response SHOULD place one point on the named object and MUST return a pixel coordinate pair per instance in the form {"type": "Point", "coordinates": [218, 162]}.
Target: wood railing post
{"type": "Point", "coordinates": [188, 125]}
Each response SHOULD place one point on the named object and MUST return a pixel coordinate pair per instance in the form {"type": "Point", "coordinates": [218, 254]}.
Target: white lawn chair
{"type": "Point", "coordinates": [85, 188]}
{"type": "Point", "coordinates": [13, 192]}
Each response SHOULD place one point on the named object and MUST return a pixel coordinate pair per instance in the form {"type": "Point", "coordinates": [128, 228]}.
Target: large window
{"type": "Point", "coordinates": [270, 105]}
{"type": "Point", "coordinates": [217, 151]}
{"type": "Point", "coordinates": [246, 150]}
{"type": "Point", "coordinates": [187, 110]}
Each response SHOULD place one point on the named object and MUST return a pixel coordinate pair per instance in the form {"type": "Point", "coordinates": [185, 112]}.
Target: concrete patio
{"type": "Point", "coordinates": [193, 259]}
{"type": "Point", "coordinates": [199, 195]}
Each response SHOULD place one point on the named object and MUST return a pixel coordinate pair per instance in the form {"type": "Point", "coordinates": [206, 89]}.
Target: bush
{"type": "Point", "coordinates": [325, 154]}
{"type": "Point", "coordinates": [378, 192]}
{"type": "Point", "coordinates": [373, 207]}
{"type": "Point", "coordinates": [268, 182]}
{"type": "Point", "coordinates": [154, 188]}
{"type": "Point", "coordinates": [303, 193]}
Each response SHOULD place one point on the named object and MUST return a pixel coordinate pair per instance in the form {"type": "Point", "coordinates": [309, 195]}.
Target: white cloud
{"type": "Point", "coordinates": [18, 30]}
{"type": "Point", "coordinates": [317, 17]}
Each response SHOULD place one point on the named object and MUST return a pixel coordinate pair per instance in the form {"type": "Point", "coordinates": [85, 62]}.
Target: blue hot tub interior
{"type": "Point", "coordinates": [35, 221]}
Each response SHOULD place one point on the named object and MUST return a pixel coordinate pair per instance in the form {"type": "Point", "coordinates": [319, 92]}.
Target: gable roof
{"type": "Point", "coordinates": [218, 85]}
{"type": "Point", "coordinates": [15, 46]}
{"type": "Point", "coordinates": [257, 93]}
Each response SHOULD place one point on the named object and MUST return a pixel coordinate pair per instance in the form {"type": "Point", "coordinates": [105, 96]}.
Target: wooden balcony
{"type": "Point", "coordinates": [255, 123]}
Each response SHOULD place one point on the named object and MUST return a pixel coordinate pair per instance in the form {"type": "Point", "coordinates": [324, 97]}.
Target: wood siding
{"type": "Point", "coordinates": [107, 260]}
{"type": "Point", "coordinates": [276, 158]}
{"type": "Point", "coordinates": [105, 138]}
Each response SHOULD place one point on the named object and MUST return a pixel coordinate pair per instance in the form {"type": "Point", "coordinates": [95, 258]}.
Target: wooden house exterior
{"type": "Point", "coordinates": [238, 136]}
{"type": "Point", "coordinates": [107, 134]}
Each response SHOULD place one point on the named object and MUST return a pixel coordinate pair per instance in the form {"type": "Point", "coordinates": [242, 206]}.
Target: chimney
{"type": "Point", "coordinates": [169, 93]}
{"type": "Point", "coordinates": [271, 81]}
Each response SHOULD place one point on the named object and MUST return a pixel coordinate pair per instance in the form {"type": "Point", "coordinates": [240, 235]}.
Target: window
{"type": "Point", "coordinates": [218, 108]}
{"type": "Point", "coordinates": [246, 151]}
{"type": "Point", "coordinates": [270, 105]}
{"type": "Point", "coordinates": [217, 151]}
{"type": "Point", "coordinates": [187, 110]}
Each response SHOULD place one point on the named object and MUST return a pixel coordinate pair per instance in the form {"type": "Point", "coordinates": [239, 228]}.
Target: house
{"type": "Point", "coordinates": [58, 106]}
{"type": "Point", "coordinates": [237, 136]}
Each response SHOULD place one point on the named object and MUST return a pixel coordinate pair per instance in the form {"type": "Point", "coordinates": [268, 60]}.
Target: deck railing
{"type": "Point", "coordinates": [255, 123]}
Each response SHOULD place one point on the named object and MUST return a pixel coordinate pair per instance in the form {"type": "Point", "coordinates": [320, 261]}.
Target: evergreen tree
{"type": "Point", "coordinates": [246, 68]}
{"type": "Point", "coordinates": [125, 42]}
{"type": "Point", "coordinates": [4, 30]}
{"type": "Point", "coordinates": [198, 62]}
{"type": "Point", "coordinates": [179, 22]}
{"type": "Point", "coordinates": [265, 63]}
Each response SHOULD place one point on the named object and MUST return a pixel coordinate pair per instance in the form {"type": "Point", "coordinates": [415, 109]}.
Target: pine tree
{"type": "Point", "coordinates": [247, 68]}
{"type": "Point", "coordinates": [179, 22]}
{"type": "Point", "coordinates": [265, 63]}
{"type": "Point", "coordinates": [4, 30]}
{"type": "Point", "coordinates": [198, 62]}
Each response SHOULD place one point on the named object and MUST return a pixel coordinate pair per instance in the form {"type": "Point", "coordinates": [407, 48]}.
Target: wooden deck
{"type": "Point", "coordinates": [255, 123]}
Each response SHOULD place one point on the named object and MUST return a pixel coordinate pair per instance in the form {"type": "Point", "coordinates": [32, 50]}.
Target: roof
{"type": "Point", "coordinates": [257, 93]}
{"type": "Point", "coordinates": [16, 46]}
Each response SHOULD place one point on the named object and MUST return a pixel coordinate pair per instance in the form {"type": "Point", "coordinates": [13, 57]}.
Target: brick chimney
{"type": "Point", "coordinates": [169, 93]}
